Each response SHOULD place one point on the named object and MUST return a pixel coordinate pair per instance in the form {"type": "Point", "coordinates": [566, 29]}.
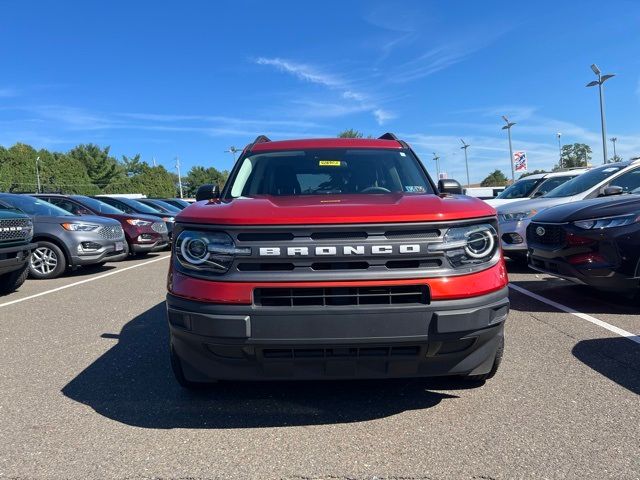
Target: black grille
{"type": "Point", "coordinates": [342, 296]}
{"type": "Point", "coordinates": [413, 234]}
{"type": "Point", "coordinates": [544, 234]}
{"type": "Point", "coordinates": [341, 352]}
{"type": "Point", "coordinates": [16, 229]}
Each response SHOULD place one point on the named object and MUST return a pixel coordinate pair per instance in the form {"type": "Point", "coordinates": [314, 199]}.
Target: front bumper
{"type": "Point", "coordinates": [509, 229]}
{"type": "Point", "coordinates": [158, 242]}
{"type": "Point", "coordinates": [14, 257]}
{"type": "Point", "coordinates": [108, 251]}
{"type": "Point", "coordinates": [445, 337]}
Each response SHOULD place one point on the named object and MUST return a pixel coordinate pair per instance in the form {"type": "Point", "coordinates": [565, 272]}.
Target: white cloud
{"type": "Point", "coordinates": [302, 71]}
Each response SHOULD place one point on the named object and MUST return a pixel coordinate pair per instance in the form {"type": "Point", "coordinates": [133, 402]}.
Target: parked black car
{"type": "Point", "coordinates": [161, 205]}
{"type": "Point", "coordinates": [16, 232]}
{"type": "Point", "coordinates": [593, 242]}
{"type": "Point", "coordinates": [134, 206]}
{"type": "Point", "coordinates": [65, 240]}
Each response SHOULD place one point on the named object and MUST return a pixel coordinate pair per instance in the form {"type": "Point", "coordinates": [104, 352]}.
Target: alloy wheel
{"type": "Point", "coordinates": [44, 260]}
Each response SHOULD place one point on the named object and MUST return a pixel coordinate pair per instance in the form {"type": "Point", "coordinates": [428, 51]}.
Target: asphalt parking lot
{"type": "Point", "coordinates": [87, 392]}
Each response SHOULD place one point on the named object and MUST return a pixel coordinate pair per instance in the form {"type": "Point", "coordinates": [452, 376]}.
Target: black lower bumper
{"type": "Point", "coordinates": [453, 337]}
{"type": "Point", "coordinates": [15, 257]}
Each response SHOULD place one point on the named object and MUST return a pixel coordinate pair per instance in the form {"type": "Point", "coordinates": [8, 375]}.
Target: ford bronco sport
{"type": "Point", "coordinates": [16, 231]}
{"type": "Point", "coordinates": [335, 258]}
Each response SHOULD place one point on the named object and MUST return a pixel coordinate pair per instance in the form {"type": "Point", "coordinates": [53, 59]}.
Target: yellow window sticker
{"type": "Point", "coordinates": [329, 163]}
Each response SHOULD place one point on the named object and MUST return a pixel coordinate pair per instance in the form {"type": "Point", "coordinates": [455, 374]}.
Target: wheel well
{"type": "Point", "coordinates": [57, 243]}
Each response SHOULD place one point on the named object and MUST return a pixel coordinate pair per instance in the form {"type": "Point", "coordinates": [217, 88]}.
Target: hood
{"type": "Point", "coordinates": [75, 219]}
{"type": "Point", "coordinates": [498, 202]}
{"type": "Point", "coordinates": [340, 209]}
{"type": "Point", "coordinates": [594, 208]}
{"type": "Point", "coordinates": [537, 204]}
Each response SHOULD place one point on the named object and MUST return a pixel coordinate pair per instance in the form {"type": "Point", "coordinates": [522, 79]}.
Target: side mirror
{"type": "Point", "coordinates": [611, 190]}
{"type": "Point", "coordinates": [207, 191]}
{"type": "Point", "coordinates": [449, 186]}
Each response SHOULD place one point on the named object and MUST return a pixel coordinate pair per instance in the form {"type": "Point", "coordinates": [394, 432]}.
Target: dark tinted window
{"type": "Point", "coordinates": [629, 181]}
{"type": "Point", "coordinates": [584, 182]}
{"type": "Point", "coordinates": [551, 183]}
{"type": "Point", "coordinates": [34, 206]}
{"type": "Point", "coordinates": [97, 205]}
{"type": "Point", "coordinates": [520, 189]}
{"type": "Point", "coordinates": [330, 171]}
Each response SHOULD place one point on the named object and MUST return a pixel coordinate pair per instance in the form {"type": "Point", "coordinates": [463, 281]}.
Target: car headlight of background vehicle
{"type": "Point", "coordinates": [469, 245]}
{"type": "Point", "coordinates": [137, 222]}
{"type": "Point", "coordinates": [81, 227]}
{"type": "Point", "coordinates": [516, 216]}
{"type": "Point", "coordinates": [207, 252]}
{"type": "Point", "coordinates": [607, 222]}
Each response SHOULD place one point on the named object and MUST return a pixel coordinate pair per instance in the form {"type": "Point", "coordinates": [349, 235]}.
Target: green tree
{"type": "Point", "coordinates": [350, 133]}
{"type": "Point", "coordinates": [132, 165]}
{"type": "Point", "coordinates": [615, 158]}
{"type": "Point", "coordinates": [103, 170]}
{"type": "Point", "coordinates": [574, 155]}
{"type": "Point", "coordinates": [494, 179]}
{"type": "Point", "coordinates": [535, 172]}
{"type": "Point", "coordinates": [62, 173]}
{"type": "Point", "coordinates": [18, 168]}
{"type": "Point", "coordinates": [199, 176]}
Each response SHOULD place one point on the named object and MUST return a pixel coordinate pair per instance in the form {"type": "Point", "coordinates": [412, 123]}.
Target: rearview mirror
{"type": "Point", "coordinates": [207, 191]}
{"type": "Point", "coordinates": [611, 190]}
{"type": "Point", "coordinates": [449, 186]}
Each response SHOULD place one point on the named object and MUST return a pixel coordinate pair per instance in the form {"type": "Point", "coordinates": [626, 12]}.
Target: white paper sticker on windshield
{"type": "Point", "coordinates": [402, 154]}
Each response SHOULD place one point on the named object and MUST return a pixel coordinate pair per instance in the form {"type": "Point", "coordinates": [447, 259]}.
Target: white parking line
{"type": "Point", "coordinates": [584, 316]}
{"type": "Point", "coordinates": [75, 284]}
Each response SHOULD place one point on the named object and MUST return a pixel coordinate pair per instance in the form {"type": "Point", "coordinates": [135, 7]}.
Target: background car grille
{"type": "Point", "coordinates": [111, 232]}
{"type": "Point", "coordinates": [342, 296]}
{"type": "Point", "coordinates": [553, 234]}
{"type": "Point", "coordinates": [159, 227]}
{"type": "Point", "coordinates": [15, 229]}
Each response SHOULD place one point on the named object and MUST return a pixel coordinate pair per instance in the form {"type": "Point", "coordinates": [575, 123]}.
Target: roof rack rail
{"type": "Point", "coordinates": [259, 139]}
{"type": "Point", "coordinates": [388, 136]}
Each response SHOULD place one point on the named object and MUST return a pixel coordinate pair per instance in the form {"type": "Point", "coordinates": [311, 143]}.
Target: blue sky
{"type": "Point", "coordinates": [193, 78]}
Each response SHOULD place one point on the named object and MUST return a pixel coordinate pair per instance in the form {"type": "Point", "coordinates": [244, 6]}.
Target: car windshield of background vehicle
{"type": "Point", "coordinates": [551, 183]}
{"type": "Point", "coordinates": [584, 182]}
{"type": "Point", "coordinates": [164, 206]}
{"type": "Point", "coordinates": [330, 171]}
{"type": "Point", "coordinates": [143, 208]}
{"type": "Point", "coordinates": [33, 206]}
{"type": "Point", "coordinates": [98, 206]}
{"type": "Point", "coordinates": [520, 189]}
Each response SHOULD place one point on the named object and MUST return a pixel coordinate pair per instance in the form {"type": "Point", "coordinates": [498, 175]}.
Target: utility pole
{"type": "Point", "coordinates": [559, 150]}
{"type": "Point", "coordinates": [466, 162]}
{"type": "Point", "coordinates": [233, 150]}
{"type": "Point", "coordinates": [507, 127]}
{"type": "Point", "coordinates": [179, 176]}
{"type": "Point", "coordinates": [437, 160]}
{"type": "Point", "coordinates": [603, 123]}
{"type": "Point", "coordinates": [153, 159]}
{"type": "Point", "coordinates": [614, 140]}
{"type": "Point", "coordinates": [38, 173]}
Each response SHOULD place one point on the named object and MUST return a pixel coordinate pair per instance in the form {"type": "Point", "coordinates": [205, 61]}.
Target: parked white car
{"type": "Point", "coordinates": [533, 186]}
{"type": "Point", "coordinates": [609, 179]}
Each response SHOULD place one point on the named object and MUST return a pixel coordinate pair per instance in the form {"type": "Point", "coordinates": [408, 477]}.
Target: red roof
{"type": "Point", "coordinates": [325, 143]}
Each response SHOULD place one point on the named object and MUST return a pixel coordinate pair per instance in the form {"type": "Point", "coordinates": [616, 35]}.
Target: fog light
{"type": "Point", "coordinates": [512, 238]}
{"type": "Point", "coordinates": [145, 237]}
{"type": "Point", "coordinates": [89, 247]}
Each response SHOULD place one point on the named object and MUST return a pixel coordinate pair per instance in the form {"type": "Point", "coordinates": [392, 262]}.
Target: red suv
{"type": "Point", "coordinates": [335, 258]}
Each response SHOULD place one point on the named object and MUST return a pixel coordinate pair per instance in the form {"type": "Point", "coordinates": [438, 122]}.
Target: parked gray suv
{"type": "Point", "coordinates": [65, 240]}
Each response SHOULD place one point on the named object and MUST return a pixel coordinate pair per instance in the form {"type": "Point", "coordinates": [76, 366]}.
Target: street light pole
{"type": "Point", "coordinates": [559, 150]}
{"type": "Point", "coordinates": [614, 140]}
{"type": "Point", "coordinates": [603, 123]}
{"type": "Point", "coordinates": [507, 127]}
{"type": "Point", "coordinates": [38, 173]}
{"type": "Point", "coordinates": [179, 176]}
{"type": "Point", "coordinates": [466, 162]}
{"type": "Point", "coordinates": [437, 159]}
{"type": "Point", "coordinates": [233, 150]}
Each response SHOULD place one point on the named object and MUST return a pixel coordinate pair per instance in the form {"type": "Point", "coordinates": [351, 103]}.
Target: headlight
{"type": "Point", "coordinates": [81, 227]}
{"type": "Point", "coordinates": [467, 246]}
{"type": "Point", "coordinates": [207, 252]}
{"type": "Point", "coordinates": [607, 222]}
{"type": "Point", "coordinates": [136, 222]}
{"type": "Point", "coordinates": [516, 216]}
{"type": "Point", "coordinates": [168, 219]}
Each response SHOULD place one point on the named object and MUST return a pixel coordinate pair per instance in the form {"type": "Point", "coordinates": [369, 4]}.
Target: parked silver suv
{"type": "Point", "coordinates": [608, 179]}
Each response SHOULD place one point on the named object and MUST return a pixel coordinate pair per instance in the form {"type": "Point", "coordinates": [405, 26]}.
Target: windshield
{"type": "Point", "coordinates": [520, 189]}
{"type": "Point", "coordinates": [97, 205]}
{"type": "Point", "coordinates": [551, 183]}
{"type": "Point", "coordinates": [330, 171]}
{"type": "Point", "coordinates": [584, 182]}
{"type": "Point", "coordinates": [162, 206]}
{"type": "Point", "coordinates": [140, 207]}
{"type": "Point", "coordinates": [35, 206]}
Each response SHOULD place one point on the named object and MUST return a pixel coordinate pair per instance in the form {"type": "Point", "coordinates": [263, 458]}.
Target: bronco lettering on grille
{"type": "Point", "coordinates": [335, 250]}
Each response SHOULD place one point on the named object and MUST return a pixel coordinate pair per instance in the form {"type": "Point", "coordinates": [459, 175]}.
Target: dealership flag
{"type": "Point", "coordinates": [520, 161]}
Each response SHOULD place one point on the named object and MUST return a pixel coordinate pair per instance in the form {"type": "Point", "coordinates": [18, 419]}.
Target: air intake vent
{"type": "Point", "coordinates": [265, 237]}
{"type": "Point", "coordinates": [338, 235]}
{"type": "Point", "coordinates": [413, 234]}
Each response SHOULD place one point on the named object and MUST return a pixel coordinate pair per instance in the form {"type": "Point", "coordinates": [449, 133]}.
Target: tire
{"type": "Point", "coordinates": [47, 261]}
{"type": "Point", "coordinates": [10, 282]}
{"type": "Point", "coordinates": [496, 364]}
{"type": "Point", "coordinates": [176, 366]}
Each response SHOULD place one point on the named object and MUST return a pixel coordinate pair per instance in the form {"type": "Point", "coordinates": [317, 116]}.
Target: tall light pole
{"type": "Point", "coordinates": [603, 123]}
{"type": "Point", "coordinates": [466, 162]}
{"type": "Point", "coordinates": [179, 176]}
{"type": "Point", "coordinates": [507, 127]}
{"type": "Point", "coordinates": [233, 150]}
{"type": "Point", "coordinates": [437, 160]}
{"type": "Point", "coordinates": [38, 173]}
{"type": "Point", "coordinates": [614, 140]}
{"type": "Point", "coordinates": [559, 150]}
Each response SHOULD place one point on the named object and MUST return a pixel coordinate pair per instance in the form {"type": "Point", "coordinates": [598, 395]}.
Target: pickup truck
{"type": "Point", "coordinates": [16, 231]}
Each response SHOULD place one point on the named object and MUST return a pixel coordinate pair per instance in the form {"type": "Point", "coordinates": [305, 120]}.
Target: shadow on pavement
{"type": "Point", "coordinates": [615, 358]}
{"type": "Point", "coordinates": [132, 383]}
